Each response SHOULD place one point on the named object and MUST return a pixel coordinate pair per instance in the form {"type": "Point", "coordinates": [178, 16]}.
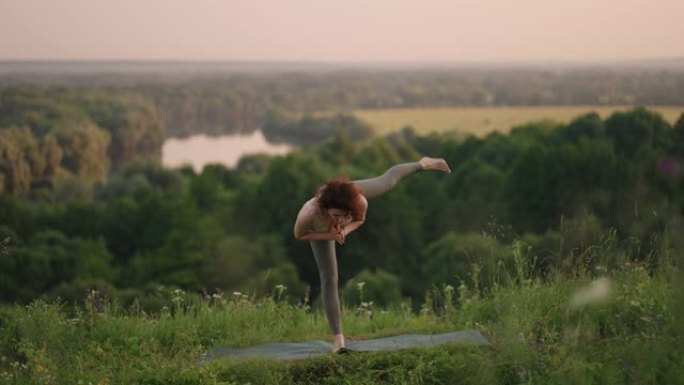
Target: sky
{"type": "Point", "coordinates": [342, 31]}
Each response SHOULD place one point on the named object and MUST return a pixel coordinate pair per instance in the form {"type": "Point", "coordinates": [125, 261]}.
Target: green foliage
{"type": "Point", "coordinates": [232, 229]}
{"type": "Point", "coordinates": [278, 127]}
{"type": "Point", "coordinates": [133, 123]}
{"type": "Point", "coordinates": [25, 161]}
{"type": "Point", "coordinates": [47, 133]}
{"type": "Point", "coordinates": [281, 281]}
{"type": "Point", "coordinates": [452, 258]}
{"type": "Point", "coordinates": [72, 189]}
{"type": "Point", "coordinates": [84, 151]}
{"type": "Point", "coordinates": [588, 127]}
{"type": "Point", "coordinates": [257, 267]}
{"type": "Point", "coordinates": [139, 180]}
{"type": "Point", "coordinates": [474, 191]}
{"type": "Point", "coordinates": [47, 259]}
{"type": "Point", "coordinates": [677, 137]}
{"type": "Point", "coordinates": [43, 109]}
{"type": "Point", "coordinates": [531, 189]}
{"type": "Point", "coordinates": [380, 288]}
{"type": "Point", "coordinates": [634, 129]}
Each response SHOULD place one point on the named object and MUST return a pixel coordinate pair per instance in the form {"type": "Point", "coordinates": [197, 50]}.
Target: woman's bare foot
{"type": "Point", "coordinates": [438, 164]}
{"type": "Point", "coordinates": [338, 342]}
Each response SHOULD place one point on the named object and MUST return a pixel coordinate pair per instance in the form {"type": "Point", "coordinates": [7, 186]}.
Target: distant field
{"type": "Point", "coordinates": [483, 120]}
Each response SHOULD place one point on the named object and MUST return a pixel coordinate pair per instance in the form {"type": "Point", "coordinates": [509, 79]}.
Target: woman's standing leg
{"type": "Point", "coordinates": [326, 259]}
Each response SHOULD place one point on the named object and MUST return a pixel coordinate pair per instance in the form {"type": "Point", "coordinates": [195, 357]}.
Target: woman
{"type": "Point", "coordinates": [338, 208]}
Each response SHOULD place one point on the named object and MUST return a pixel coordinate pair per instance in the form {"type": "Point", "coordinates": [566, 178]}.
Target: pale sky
{"type": "Point", "coordinates": [349, 31]}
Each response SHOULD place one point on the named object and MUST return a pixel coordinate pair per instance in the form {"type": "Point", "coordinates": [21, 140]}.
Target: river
{"type": "Point", "coordinates": [199, 150]}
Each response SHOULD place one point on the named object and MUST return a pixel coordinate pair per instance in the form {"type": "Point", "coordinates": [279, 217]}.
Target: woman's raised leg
{"type": "Point", "coordinates": [379, 185]}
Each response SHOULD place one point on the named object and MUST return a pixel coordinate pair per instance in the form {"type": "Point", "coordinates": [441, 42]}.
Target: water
{"type": "Point", "coordinates": [199, 150]}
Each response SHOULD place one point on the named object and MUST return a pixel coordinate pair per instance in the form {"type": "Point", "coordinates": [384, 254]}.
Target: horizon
{"type": "Point", "coordinates": [137, 65]}
{"type": "Point", "coordinates": [340, 61]}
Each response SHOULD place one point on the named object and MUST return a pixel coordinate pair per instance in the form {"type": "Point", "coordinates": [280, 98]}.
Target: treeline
{"type": "Point", "coordinates": [217, 102]}
{"type": "Point", "coordinates": [551, 195]}
{"type": "Point", "coordinates": [55, 136]}
{"type": "Point", "coordinates": [279, 127]}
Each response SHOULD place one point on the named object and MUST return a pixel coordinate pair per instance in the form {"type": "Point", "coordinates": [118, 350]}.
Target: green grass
{"type": "Point", "coordinates": [480, 121]}
{"type": "Point", "coordinates": [536, 337]}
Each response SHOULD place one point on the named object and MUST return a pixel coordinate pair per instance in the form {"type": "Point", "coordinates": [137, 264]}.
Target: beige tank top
{"type": "Point", "coordinates": [318, 223]}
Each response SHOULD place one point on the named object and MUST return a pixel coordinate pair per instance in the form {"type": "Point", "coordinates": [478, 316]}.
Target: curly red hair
{"type": "Point", "coordinates": [343, 194]}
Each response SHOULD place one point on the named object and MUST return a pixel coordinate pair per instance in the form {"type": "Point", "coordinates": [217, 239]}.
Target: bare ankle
{"type": "Point", "coordinates": [338, 342]}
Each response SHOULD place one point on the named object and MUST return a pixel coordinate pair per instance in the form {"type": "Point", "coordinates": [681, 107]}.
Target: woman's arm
{"type": "Point", "coordinates": [314, 236]}
{"type": "Point", "coordinates": [302, 229]}
{"type": "Point", "coordinates": [352, 226]}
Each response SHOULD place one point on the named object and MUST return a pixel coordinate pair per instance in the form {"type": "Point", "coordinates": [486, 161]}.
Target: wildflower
{"type": "Point", "coordinates": [597, 292]}
{"type": "Point", "coordinates": [668, 167]}
{"type": "Point", "coordinates": [521, 337]}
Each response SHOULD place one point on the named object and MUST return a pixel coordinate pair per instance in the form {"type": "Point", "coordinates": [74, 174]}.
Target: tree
{"type": "Point", "coordinates": [136, 130]}
{"type": "Point", "coordinates": [229, 263]}
{"type": "Point", "coordinates": [280, 280]}
{"type": "Point", "coordinates": [452, 258]}
{"type": "Point", "coordinates": [20, 160]}
{"type": "Point", "coordinates": [633, 129]}
{"type": "Point", "coordinates": [42, 109]}
{"type": "Point", "coordinates": [47, 260]}
{"type": "Point", "coordinates": [678, 137]}
{"type": "Point", "coordinates": [588, 126]}
{"type": "Point", "coordinates": [390, 239]}
{"type": "Point", "coordinates": [84, 151]}
{"type": "Point", "coordinates": [474, 191]}
{"type": "Point", "coordinates": [530, 190]}
{"type": "Point", "coordinates": [380, 287]}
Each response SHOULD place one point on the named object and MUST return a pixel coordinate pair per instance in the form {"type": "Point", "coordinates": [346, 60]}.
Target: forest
{"type": "Point", "coordinates": [85, 203]}
{"type": "Point", "coordinates": [227, 99]}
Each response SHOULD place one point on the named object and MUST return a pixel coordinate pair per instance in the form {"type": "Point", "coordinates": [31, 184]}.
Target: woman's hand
{"type": "Point", "coordinates": [339, 234]}
{"type": "Point", "coordinates": [340, 238]}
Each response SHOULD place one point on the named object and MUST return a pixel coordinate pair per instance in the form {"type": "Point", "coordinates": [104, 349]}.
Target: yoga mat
{"type": "Point", "coordinates": [301, 350]}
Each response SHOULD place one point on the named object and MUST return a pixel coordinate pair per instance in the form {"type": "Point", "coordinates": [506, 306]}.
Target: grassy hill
{"type": "Point", "coordinates": [557, 331]}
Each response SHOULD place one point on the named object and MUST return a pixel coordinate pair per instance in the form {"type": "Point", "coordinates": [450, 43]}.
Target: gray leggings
{"type": "Point", "coordinates": [324, 251]}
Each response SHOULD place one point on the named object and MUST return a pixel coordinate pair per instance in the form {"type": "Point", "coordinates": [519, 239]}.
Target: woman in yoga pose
{"type": "Point", "coordinates": [337, 209]}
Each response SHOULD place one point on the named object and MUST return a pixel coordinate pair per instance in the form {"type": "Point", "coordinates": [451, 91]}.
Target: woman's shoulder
{"type": "Point", "coordinates": [310, 207]}
{"type": "Point", "coordinates": [311, 203]}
